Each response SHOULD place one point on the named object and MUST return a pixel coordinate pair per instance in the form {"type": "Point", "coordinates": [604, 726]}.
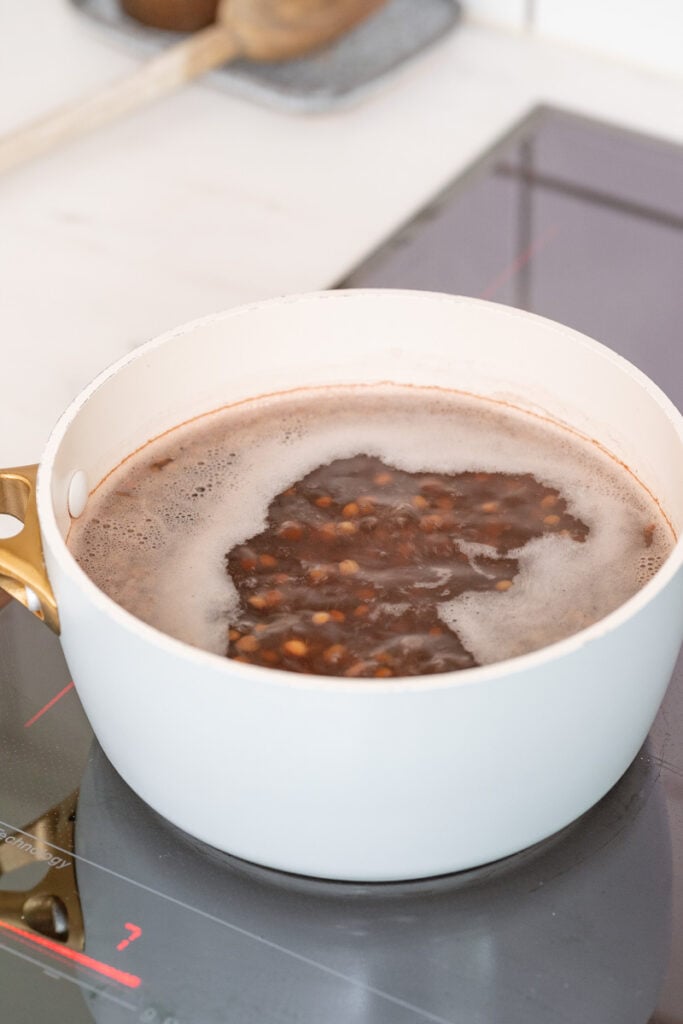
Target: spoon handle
{"type": "Point", "coordinates": [156, 78]}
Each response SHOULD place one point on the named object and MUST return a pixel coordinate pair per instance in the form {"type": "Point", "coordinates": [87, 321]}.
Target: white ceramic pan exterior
{"type": "Point", "coordinates": [358, 779]}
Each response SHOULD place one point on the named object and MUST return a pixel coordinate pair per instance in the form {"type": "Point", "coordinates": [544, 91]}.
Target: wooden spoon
{"type": "Point", "coordinates": [261, 30]}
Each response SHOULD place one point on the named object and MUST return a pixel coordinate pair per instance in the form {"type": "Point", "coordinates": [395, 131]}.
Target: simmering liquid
{"type": "Point", "coordinates": [370, 532]}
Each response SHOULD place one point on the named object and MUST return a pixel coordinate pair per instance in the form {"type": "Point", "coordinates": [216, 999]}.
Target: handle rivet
{"type": "Point", "coordinates": [77, 496]}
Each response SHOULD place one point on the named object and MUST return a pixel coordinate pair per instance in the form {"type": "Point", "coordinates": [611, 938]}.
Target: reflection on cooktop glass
{"type": "Point", "coordinates": [109, 914]}
{"type": "Point", "coordinates": [575, 220]}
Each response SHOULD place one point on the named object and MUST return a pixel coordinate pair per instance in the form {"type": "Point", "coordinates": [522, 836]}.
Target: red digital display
{"type": "Point", "coordinates": [135, 933]}
{"type": "Point", "coordinates": [122, 977]}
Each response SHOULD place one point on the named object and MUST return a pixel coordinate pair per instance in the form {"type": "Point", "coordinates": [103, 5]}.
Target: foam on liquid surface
{"type": "Point", "coordinates": [155, 534]}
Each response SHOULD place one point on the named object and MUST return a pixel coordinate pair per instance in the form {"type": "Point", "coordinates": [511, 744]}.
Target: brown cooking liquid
{"type": "Point", "coordinates": [375, 532]}
{"type": "Point", "coordinates": [346, 576]}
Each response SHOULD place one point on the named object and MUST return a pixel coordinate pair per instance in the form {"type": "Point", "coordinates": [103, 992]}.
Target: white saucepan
{"type": "Point", "coordinates": [346, 778]}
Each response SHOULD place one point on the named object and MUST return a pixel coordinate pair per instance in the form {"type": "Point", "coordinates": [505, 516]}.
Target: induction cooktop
{"type": "Point", "coordinates": [110, 914]}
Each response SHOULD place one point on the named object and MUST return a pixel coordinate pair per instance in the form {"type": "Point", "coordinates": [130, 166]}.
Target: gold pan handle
{"type": "Point", "coordinates": [22, 566]}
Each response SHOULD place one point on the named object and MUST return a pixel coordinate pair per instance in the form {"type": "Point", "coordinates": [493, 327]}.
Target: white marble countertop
{"type": "Point", "coordinates": [204, 201]}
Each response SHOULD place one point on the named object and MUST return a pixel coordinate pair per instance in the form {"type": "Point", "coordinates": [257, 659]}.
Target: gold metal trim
{"type": "Point", "coordinates": [55, 899]}
{"type": "Point", "coordinates": [21, 557]}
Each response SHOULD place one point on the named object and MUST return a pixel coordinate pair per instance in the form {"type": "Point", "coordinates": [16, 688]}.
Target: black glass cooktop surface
{"type": "Point", "coordinates": [109, 914]}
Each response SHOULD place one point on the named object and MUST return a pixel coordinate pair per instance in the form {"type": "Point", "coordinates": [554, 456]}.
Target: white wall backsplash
{"type": "Point", "coordinates": [508, 13]}
{"type": "Point", "coordinates": [644, 32]}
